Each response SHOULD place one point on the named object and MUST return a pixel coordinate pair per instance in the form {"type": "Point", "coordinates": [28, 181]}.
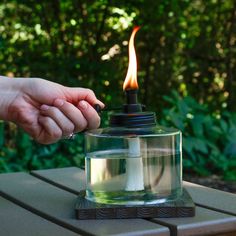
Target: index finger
{"type": "Point", "coordinates": [77, 94]}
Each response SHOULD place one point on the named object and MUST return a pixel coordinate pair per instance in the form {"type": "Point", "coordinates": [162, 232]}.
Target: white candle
{"type": "Point", "coordinates": [134, 166]}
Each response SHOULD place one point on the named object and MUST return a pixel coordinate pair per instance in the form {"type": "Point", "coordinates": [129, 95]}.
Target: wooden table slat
{"type": "Point", "coordinates": [206, 222]}
{"type": "Point", "coordinates": [15, 220]}
{"type": "Point", "coordinates": [216, 221]}
{"type": "Point", "coordinates": [58, 205]}
{"type": "Point", "coordinates": [212, 198]}
{"type": "Point", "coordinates": [73, 179]}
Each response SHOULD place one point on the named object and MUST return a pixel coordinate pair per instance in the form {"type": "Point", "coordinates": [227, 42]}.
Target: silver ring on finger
{"type": "Point", "coordinates": [70, 136]}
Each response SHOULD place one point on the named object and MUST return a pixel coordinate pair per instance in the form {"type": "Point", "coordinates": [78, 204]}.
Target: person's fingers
{"type": "Point", "coordinates": [90, 114]}
{"type": "Point", "coordinates": [78, 94]}
{"type": "Point", "coordinates": [72, 113]}
{"type": "Point", "coordinates": [50, 133]}
{"type": "Point", "coordinates": [65, 124]}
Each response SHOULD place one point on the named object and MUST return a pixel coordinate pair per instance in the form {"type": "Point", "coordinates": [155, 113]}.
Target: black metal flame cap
{"type": "Point", "coordinates": [133, 120]}
{"type": "Point", "coordinates": [133, 115]}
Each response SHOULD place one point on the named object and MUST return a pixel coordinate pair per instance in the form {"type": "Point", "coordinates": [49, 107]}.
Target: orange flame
{"type": "Point", "coordinates": [131, 76]}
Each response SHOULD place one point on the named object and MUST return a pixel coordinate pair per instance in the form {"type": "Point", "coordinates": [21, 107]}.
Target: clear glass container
{"type": "Point", "coordinates": [133, 166]}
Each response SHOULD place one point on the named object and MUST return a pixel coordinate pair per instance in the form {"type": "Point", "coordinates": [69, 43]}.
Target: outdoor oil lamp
{"type": "Point", "coordinates": [134, 166]}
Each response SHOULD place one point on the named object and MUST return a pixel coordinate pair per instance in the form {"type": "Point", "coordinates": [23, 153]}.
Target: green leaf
{"type": "Point", "coordinates": [200, 145]}
{"type": "Point", "coordinates": [188, 144]}
{"type": "Point", "coordinates": [197, 125]}
{"type": "Point", "coordinates": [183, 107]}
{"type": "Point", "coordinates": [223, 126]}
{"type": "Point", "coordinates": [230, 175]}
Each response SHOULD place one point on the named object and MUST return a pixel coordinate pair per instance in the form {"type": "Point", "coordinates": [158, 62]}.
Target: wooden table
{"type": "Point", "coordinates": [42, 203]}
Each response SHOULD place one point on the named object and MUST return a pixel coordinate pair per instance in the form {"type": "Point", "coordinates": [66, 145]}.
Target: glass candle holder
{"type": "Point", "coordinates": [133, 166]}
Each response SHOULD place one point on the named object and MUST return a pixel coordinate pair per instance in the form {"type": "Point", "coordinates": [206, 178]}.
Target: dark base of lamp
{"type": "Point", "coordinates": [182, 207]}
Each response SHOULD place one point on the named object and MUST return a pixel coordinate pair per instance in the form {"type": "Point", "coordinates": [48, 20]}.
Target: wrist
{"type": "Point", "coordinates": [10, 88]}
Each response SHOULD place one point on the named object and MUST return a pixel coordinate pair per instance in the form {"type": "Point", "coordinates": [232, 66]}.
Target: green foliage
{"type": "Point", "coordinates": [209, 139]}
{"type": "Point", "coordinates": [186, 45]}
{"type": "Point", "coordinates": [183, 45]}
{"type": "Point", "coordinates": [22, 153]}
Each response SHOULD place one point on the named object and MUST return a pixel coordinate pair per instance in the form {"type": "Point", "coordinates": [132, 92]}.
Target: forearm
{"type": "Point", "coordinates": [9, 90]}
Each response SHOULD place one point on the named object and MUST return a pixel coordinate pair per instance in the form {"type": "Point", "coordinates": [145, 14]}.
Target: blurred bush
{"type": "Point", "coordinates": [18, 152]}
{"type": "Point", "coordinates": [188, 46]}
{"type": "Point", "coordinates": [209, 139]}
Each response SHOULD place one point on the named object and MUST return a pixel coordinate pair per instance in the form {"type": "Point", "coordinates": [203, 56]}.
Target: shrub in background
{"type": "Point", "coordinates": [20, 153]}
{"type": "Point", "coordinates": [209, 142]}
{"type": "Point", "coordinates": [209, 139]}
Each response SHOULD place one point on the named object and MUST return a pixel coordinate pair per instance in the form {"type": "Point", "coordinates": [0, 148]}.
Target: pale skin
{"type": "Point", "coordinates": [47, 111]}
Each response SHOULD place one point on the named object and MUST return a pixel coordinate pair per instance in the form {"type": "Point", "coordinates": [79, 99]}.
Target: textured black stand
{"type": "Point", "coordinates": [182, 207]}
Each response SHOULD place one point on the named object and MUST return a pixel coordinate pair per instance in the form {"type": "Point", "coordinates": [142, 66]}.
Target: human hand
{"type": "Point", "coordinates": [49, 111]}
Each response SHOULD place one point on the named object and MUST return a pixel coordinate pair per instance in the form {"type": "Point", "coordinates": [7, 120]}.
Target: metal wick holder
{"type": "Point", "coordinates": [133, 115]}
{"type": "Point", "coordinates": [133, 168]}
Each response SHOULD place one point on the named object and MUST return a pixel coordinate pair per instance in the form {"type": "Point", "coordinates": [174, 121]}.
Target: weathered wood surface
{"type": "Point", "coordinates": [74, 179]}
{"type": "Point", "coordinates": [71, 179]}
{"type": "Point", "coordinates": [85, 209]}
{"type": "Point", "coordinates": [215, 222]}
{"type": "Point", "coordinates": [212, 198]}
{"type": "Point", "coordinates": [15, 220]}
{"type": "Point", "coordinates": [58, 206]}
{"type": "Point", "coordinates": [205, 222]}
{"type": "Point", "coordinates": [51, 195]}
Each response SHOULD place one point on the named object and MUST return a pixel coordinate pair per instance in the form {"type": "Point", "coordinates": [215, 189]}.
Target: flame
{"type": "Point", "coordinates": [131, 76]}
